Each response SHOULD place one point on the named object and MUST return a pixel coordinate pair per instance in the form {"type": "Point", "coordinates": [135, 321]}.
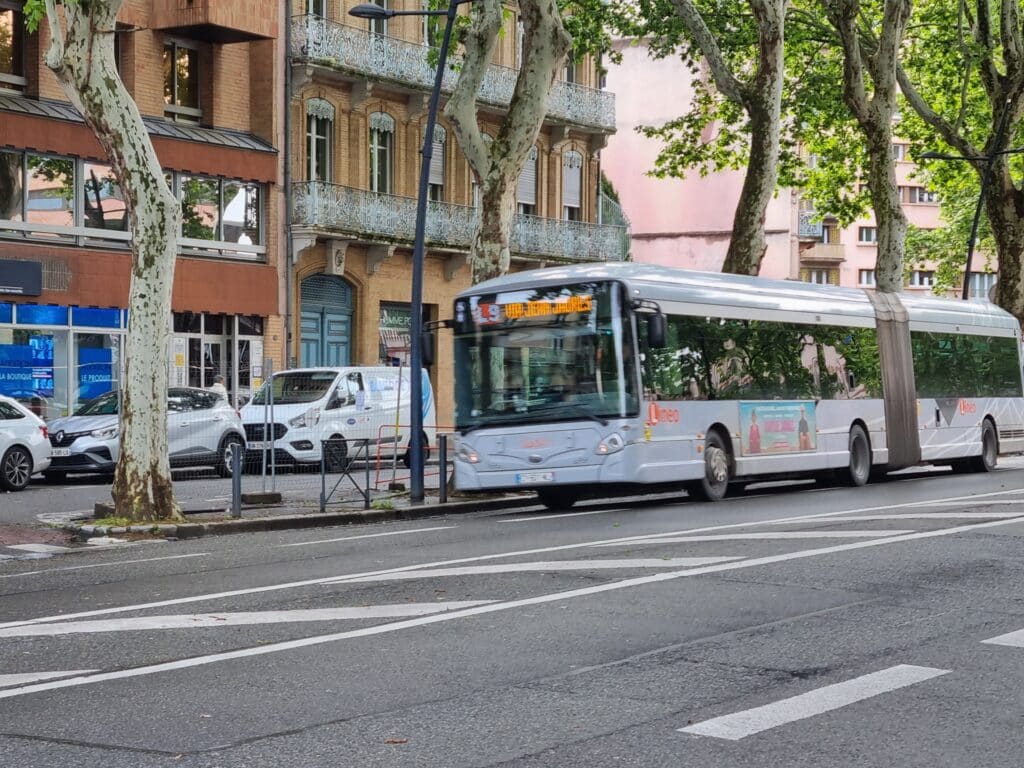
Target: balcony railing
{"type": "Point", "coordinates": [390, 218]}
{"type": "Point", "coordinates": [807, 226]}
{"type": "Point", "coordinates": [355, 50]}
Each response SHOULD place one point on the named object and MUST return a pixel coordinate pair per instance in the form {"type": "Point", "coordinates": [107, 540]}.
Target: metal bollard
{"type": "Point", "coordinates": [366, 463]}
{"type": "Point", "coordinates": [323, 477]}
{"type": "Point", "coordinates": [442, 473]}
{"type": "Point", "coordinates": [236, 481]}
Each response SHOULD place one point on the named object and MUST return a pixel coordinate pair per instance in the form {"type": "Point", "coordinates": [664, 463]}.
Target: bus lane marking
{"type": "Point", "coordinates": [365, 536]}
{"type": "Point", "coordinates": [767, 536]}
{"type": "Point", "coordinates": [739, 725]}
{"type": "Point", "coordinates": [459, 561]}
{"type": "Point", "coordinates": [6, 681]}
{"type": "Point", "coordinates": [497, 607]}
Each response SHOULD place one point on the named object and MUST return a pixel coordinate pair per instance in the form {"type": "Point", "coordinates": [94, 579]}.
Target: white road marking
{"type": "Point", "coordinates": [42, 549]}
{"type": "Point", "coordinates": [562, 514]}
{"type": "Point", "coordinates": [476, 559]}
{"type": "Point", "coordinates": [991, 503]}
{"type": "Point", "coordinates": [748, 722]}
{"type": "Point", "coordinates": [765, 535]}
{"type": "Point", "coordinates": [203, 620]}
{"type": "Point", "coordinates": [397, 626]}
{"type": "Point", "coordinates": [1011, 639]}
{"type": "Point", "coordinates": [927, 516]}
{"type": "Point", "coordinates": [100, 565]}
{"type": "Point", "coordinates": [6, 557]}
{"type": "Point", "coordinates": [30, 677]}
{"type": "Point", "coordinates": [561, 565]}
{"type": "Point", "coordinates": [366, 536]}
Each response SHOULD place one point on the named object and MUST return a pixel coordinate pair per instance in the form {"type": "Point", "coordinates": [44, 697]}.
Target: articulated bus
{"type": "Point", "coordinates": [572, 381]}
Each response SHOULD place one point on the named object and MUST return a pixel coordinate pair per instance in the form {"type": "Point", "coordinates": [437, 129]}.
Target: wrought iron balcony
{"type": "Point", "coordinates": [374, 217]}
{"type": "Point", "coordinates": [354, 50]}
{"type": "Point", "coordinates": [807, 226]}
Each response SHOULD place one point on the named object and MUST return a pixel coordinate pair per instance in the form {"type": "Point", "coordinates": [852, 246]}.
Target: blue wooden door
{"type": "Point", "coordinates": [325, 321]}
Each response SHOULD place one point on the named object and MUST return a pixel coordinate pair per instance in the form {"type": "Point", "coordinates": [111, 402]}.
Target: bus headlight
{"type": "Point", "coordinates": [611, 444]}
{"type": "Point", "coordinates": [467, 454]}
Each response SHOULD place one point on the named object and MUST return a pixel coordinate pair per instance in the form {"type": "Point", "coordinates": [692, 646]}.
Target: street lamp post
{"type": "Point", "coordinates": [372, 11]}
{"type": "Point", "coordinates": [990, 161]}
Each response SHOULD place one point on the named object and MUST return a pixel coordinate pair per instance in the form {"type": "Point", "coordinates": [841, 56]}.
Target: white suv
{"type": "Point", "coordinates": [202, 430]}
{"type": "Point", "coordinates": [24, 449]}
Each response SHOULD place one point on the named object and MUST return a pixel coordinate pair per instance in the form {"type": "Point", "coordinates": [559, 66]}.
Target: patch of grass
{"type": "Point", "coordinates": [125, 522]}
{"type": "Point", "coordinates": [381, 504]}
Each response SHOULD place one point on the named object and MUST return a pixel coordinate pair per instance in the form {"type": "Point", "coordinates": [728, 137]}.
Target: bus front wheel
{"type": "Point", "coordinates": [715, 483]}
{"type": "Point", "coordinates": [859, 471]}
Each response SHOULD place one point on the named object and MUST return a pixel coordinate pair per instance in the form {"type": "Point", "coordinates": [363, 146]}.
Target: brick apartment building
{"type": "Point", "coordinates": [358, 111]}
{"type": "Point", "coordinates": [208, 79]}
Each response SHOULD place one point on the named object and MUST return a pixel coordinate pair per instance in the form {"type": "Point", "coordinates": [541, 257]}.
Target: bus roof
{"type": "Point", "coordinates": [668, 284]}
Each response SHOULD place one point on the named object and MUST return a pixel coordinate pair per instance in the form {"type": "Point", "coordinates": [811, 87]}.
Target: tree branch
{"type": "Point", "coordinates": [943, 127]}
{"type": "Point", "coordinates": [843, 15]}
{"type": "Point", "coordinates": [982, 29]}
{"type": "Point", "coordinates": [726, 82]}
{"type": "Point", "coordinates": [1009, 31]}
{"type": "Point", "coordinates": [55, 52]}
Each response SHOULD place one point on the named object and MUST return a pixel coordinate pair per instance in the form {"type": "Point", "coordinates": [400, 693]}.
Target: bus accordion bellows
{"type": "Point", "coordinates": [575, 380]}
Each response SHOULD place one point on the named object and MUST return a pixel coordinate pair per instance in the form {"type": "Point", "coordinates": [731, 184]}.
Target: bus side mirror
{"type": "Point", "coordinates": [656, 328]}
{"type": "Point", "coordinates": [427, 348]}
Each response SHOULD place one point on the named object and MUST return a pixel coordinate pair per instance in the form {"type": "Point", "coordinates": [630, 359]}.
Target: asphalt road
{"type": "Point", "coordinates": [823, 627]}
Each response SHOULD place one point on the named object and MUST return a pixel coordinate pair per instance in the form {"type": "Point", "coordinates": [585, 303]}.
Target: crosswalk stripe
{"type": "Point", "coordinates": [1011, 639]}
{"type": "Point", "coordinates": [41, 549]}
{"type": "Point", "coordinates": [566, 565]}
{"type": "Point", "coordinates": [204, 620]}
{"type": "Point", "coordinates": [739, 725]}
{"type": "Point", "coordinates": [6, 681]}
{"type": "Point", "coordinates": [767, 535]}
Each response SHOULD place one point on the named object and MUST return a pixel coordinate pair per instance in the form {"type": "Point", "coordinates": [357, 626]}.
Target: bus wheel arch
{"type": "Point", "coordinates": [719, 466]}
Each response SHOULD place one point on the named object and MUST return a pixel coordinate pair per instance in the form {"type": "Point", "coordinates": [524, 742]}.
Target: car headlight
{"type": "Point", "coordinates": [467, 454]}
{"type": "Point", "coordinates": [106, 433]}
{"type": "Point", "coordinates": [308, 419]}
{"type": "Point", "coordinates": [611, 444]}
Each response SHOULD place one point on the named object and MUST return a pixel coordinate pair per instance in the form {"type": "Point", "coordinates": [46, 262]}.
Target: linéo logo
{"type": "Point", "coordinates": [657, 414]}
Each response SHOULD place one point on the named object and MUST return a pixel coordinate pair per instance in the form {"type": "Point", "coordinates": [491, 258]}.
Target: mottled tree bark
{"type": "Point", "coordinates": [874, 114]}
{"type": "Point", "coordinates": [761, 98]}
{"type": "Point", "coordinates": [81, 54]}
{"type": "Point", "coordinates": [496, 166]}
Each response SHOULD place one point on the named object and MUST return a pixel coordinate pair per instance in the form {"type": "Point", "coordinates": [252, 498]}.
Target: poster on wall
{"type": "Point", "coordinates": [179, 361]}
{"type": "Point", "coordinates": [777, 427]}
{"type": "Point", "coordinates": [15, 369]}
{"type": "Point", "coordinates": [95, 372]}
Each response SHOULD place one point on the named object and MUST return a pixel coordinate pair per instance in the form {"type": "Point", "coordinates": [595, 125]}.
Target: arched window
{"type": "Point", "coordinates": [319, 139]}
{"type": "Point", "coordinates": [436, 182]}
{"type": "Point", "coordinates": [572, 186]}
{"type": "Point", "coordinates": [382, 149]}
{"type": "Point", "coordinates": [526, 192]}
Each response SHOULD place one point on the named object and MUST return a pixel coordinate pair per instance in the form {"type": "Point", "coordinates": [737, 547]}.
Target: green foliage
{"type": "Point", "coordinates": [35, 11]}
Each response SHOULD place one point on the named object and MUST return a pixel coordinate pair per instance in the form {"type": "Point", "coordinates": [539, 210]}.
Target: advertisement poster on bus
{"type": "Point", "coordinates": [777, 427]}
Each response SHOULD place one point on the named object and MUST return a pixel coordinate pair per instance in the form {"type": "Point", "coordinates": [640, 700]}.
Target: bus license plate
{"type": "Point", "coordinates": [60, 453]}
{"type": "Point", "coordinates": [527, 478]}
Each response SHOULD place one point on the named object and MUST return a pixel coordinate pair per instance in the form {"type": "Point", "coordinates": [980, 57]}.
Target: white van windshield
{"type": "Point", "coordinates": [297, 387]}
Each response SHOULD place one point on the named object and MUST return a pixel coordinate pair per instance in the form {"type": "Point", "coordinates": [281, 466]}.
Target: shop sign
{"type": "Point", "coordinates": [395, 320]}
{"type": "Point", "coordinates": [22, 278]}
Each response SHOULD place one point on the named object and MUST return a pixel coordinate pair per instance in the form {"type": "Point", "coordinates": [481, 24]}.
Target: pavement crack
{"type": "Point", "coordinates": [94, 745]}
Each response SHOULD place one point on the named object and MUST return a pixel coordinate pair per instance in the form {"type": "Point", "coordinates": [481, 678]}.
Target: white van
{"type": "Point", "coordinates": [312, 405]}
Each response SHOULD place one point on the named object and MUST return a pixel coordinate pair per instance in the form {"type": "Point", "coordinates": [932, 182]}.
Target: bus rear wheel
{"type": "Point", "coordinates": [558, 498]}
{"type": "Point", "coordinates": [715, 483]}
{"type": "Point", "coordinates": [986, 462]}
{"type": "Point", "coordinates": [859, 471]}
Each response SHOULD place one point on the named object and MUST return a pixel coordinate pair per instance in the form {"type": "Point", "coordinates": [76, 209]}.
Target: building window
{"type": "Point", "coordinates": [866, 277]}
{"type": "Point", "coordinates": [817, 276]}
{"type": "Point", "coordinates": [520, 35]}
{"type": "Point", "coordinates": [572, 185]}
{"type": "Point", "coordinates": [830, 232]}
{"type": "Point", "coordinates": [103, 205]}
{"type": "Point", "coordinates": [382, 142]}
{"type": "Point", "coordinates": [316, 8]}
{"type": "Point", "coordinates": [981, 284]}
{"type": "Point", "coordinates": [433, 27]}
{"type": "Point", "coordinates": [12, 38]}
{"type": "Point", "coordinates": [435, 185]}
{"type": "Point", "coordinates": [526, 189]}
{"type": "Point", "coordinates": [51, 192]}
{"type": "Point", "coordinates": [922, 195]}
{"type": "Point", "coordinates": [220, 210]}
{"type": "Point", "coordinates": [319, 142]}
{"type": "Point", "coordinates": [867, 235]}
{"type": "Point", "coordinates": [379, 26]}
{"type": "Point", "coordinates": [922, 278]}
{"type": "Point", "coordinates": [899, 152]}
{"type": "Point", "coordinates": [181, 82]}
{"type": "Point", "coordinates": [569, 71]}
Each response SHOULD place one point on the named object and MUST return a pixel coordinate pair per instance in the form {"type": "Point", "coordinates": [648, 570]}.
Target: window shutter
{"type": "Point", "coordinates": [527, 189]}
{"type": "Point", "coordinates": [572, 179]}
{"type": "Point", "coordinates": [805, 274]}
{"type": "Point", "coordinates": [437, 156]}
{"type": "Point", "coordinates": [833, 277]}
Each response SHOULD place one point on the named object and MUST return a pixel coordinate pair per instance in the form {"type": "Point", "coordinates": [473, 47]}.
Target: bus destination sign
{"type": "Point", "coordinates": [488, 314]}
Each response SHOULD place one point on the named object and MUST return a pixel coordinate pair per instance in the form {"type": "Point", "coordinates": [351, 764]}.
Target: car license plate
{"type": "Point", "coordinates": [257, 445]}
{"type": "Point", "coordinates": [60, 452]}
{"type": "Point", "coordinates": [528, 478]}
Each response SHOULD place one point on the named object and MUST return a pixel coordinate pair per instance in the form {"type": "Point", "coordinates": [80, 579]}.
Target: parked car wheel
{"type": "Point", "coordinates": [15, 469]}
{"type": "Point", "coordinates": [228, 446]}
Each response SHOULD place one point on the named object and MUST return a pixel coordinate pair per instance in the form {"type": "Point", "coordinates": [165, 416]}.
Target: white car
{"type": "Point", "coordinates": [24, 447]}
{"type": "Point", "coordinates": [202, 430]}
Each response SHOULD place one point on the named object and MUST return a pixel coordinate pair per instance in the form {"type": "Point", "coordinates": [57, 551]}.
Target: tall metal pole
{"type": "Point", "coordinates": [416, 324]}
{"type": "Point", "coordinates": [991, 158]}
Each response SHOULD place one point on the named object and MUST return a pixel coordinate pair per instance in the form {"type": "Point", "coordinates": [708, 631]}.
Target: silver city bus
{"type": "Point", "coordinates": [572, 380]}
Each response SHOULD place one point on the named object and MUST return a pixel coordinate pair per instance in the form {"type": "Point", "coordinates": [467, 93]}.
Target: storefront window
{"type": "Point", "coordinates": [98, 365]}
{"type": "Point", "coordinates": [96, 318]}
{"type": "Point", "coordinates": [395, 320]}
{"type": "Point", "coordinates": [42, 314]}
{"type": "Point", "coordinates": [103, 204]}
{"type": "Point", "coordinates": [12, 186]}
{"type": "Point", "coordinates": [51, 191]}
{"type": "Point", "coordinates": [33, 369]}
{"type": "Point", "coordinates": [6, 313]}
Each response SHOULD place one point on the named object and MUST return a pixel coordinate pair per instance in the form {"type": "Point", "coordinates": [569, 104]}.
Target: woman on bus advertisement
{"type": "Point", "coordinates": [776, 427]}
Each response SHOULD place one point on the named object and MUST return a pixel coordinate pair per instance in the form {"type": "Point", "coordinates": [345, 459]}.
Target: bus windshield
{"type": "Point", "coordinates": [550, 353]}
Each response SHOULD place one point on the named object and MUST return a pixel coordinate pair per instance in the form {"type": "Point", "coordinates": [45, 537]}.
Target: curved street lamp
{"type": "Point", "coordinates": [374, 12]}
